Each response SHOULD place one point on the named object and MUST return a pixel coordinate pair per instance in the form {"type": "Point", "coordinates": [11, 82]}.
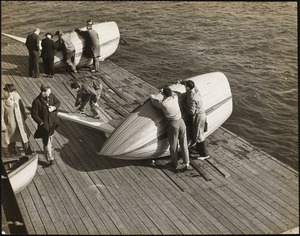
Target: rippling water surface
{"type": "Point", "coordinates": [253, 43]}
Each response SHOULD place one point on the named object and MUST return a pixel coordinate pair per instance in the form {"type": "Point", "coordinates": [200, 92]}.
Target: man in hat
{"type": "Point", "coordinates": [44, 113]}
{"type": "Point", "coordinates": [92, 45]}
{"type": "Point", "coordinates": [47, 54]}
{"type": "Point", "coordinates": [32, 44]}
{"type": "Point", "coordinates": [65, 45]}
{"type": "Point", "coordinates": [13, 118]}
{"type": "Point", "coordinates": [176, 127]}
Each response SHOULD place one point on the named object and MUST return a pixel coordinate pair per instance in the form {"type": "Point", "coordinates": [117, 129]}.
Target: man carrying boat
{"type": "Point", "coordinates": [194, 107]}
{"type": "Point", "coordinates": [176, 126]}
{"type": "Point", "coordinates": [65, 45]}
{"type": "Point", "coordinates": [92, 46]}
{"type": "Point", "coordinates": [88, 90]}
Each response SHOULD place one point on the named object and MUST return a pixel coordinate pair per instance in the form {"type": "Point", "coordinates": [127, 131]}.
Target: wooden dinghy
{"type": "Point", "coordinates": [109, 36]}
{"type": "Point", "coordinates": [20, 170]}
{"type": "Point", "coordinates": [143, 133]}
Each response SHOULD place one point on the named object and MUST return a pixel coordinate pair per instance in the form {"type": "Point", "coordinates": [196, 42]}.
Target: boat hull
{"type": "Point", "coordinates": [23, 174]}
{"type": "Point", "coordinates": [143, 133]}
{"type": "Point", "coordinates": [109, 36]}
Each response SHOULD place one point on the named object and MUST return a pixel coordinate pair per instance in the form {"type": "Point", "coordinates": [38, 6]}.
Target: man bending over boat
{"type": "Point", "coordinates": [176, 126]}
{"type": "Point", "coordinates": [65, 45]}
{"type": "Point", "coordinates": [88, 90]}
{"type": "Point", "coordinates": [92, 45]}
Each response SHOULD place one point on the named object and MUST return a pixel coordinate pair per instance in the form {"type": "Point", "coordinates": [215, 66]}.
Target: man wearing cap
{"type": "Point", "coordinates": [65, 45]}
{"type": "Point", "coordinates": [13, 118]}
{"type": "Point", "coordinates": [44, 113]}
{"type": "Point", "coordinates": [47, 54]}
{"type": "Point", "coordinates": [176, 129]}
{"type": "Point", "coordinates": [92, 45]}
{"type": "Point", "coordinates": [32, 44]}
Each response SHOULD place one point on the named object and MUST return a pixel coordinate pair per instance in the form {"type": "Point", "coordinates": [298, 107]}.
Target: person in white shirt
{"type": "Point", "coordinates": [176, 126]}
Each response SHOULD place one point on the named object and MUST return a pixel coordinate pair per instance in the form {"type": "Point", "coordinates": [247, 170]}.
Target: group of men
{"type": "Point", "coordinates": [64, 44]}
{"type": "Point", "coordinates": [45, 108]}
{"type": "Point", "coordinates": [176, 127]}
{"type": "Point", "coordinates": [89, 90]}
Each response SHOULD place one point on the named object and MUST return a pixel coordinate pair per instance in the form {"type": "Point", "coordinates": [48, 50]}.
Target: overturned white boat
{"type": "Point", "coordinates": [109, 36]}
{"type": "Point", "coordinates": [143, 133]}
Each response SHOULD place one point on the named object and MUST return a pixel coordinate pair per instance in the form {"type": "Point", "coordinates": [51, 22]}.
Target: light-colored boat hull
{"type": "Point", "coordinates": [109, 36]}
{"type": "Point", "coordinates": [143, 134]}
{"type": "Point", "coordinates": [23, 175]}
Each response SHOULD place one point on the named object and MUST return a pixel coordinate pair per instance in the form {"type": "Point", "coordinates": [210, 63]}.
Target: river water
{"type": "Point", "coordinates": [253, 43]}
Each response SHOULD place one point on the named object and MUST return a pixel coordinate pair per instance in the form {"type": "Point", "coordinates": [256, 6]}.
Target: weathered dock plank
{"type": "Point", "coordinates": [249, 191]}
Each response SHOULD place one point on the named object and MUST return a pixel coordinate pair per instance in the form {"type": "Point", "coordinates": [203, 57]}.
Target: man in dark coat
{"type": "Point", "coordinates": [92, 44]}
{"type": "Point", "coordinates": [32, 44]}
{"type": "Point", "coordinates": [44, 113]}
{"type": "Point", "coordinates": [48, 48]}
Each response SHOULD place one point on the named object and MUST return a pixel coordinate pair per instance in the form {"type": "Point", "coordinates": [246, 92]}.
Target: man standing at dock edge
{"type": "Point", "coordinates": [32, 44]}
{"type": "Point", "coordinates": [44, 113]}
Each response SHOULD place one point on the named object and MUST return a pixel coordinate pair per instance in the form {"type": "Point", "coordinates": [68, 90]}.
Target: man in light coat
{"type": "Point", "coordinates": [194, 108]}
{"type": "Point", "coordinates": [13, 118]}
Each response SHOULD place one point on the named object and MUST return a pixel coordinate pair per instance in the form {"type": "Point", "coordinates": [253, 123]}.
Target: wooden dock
{"type": "Point", "coordinates": [239, 190]}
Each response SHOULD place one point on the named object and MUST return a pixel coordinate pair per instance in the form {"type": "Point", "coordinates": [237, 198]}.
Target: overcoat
{"type": "Point", "coordinates": [92, 44]}
{"type": "Point", "coordinates": [13, 118]}
{"type": "Point", "coordinates": [194, 108]}
{"type": "Point", "coordinates": [47, 121]}
{"type": "Point", "coordinates": [32, 42]}
{"type": "Point", "coordinates": [48, 47]}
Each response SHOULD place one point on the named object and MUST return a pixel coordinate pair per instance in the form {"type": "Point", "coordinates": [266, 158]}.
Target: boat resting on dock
{"type": "Point", "coordinates": [20, 170]}
{"type": "Point", "coordinates": [109, 36]}
{"type": "Point", "coordinates": [143, 133]}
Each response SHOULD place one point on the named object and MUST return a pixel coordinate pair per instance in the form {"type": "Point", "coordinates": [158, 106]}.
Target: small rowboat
{"type": "Point", "coordinates": [20, 170]}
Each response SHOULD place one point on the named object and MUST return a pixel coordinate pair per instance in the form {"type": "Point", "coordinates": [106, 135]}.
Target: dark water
{"type": "Point", "coordinates": [253, 43]}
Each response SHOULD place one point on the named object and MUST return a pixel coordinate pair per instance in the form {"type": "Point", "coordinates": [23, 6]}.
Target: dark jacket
{"type": "Point", "coordinates": [48, 48]}
{"type": "Point", "coordinates": [32, 42]}
{"type": "Point", "coordinates": [40, 114]}
{"type": "Point", "coordinates": [92, 44]}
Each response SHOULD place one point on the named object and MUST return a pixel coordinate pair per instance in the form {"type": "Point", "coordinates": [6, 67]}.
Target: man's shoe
{"type": "Point", "coordinates": [51, 162]}
{"type": "Point", "coordinates": [202, 158]}
{"type": "Point", "coordinates": [93, 71]}
{"type": "Point", "coordinates": [80, 111]}
{"type": "Point", "coordinates": [193, 151]}
{"type": "Point", "coordinates": [96, 117]}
